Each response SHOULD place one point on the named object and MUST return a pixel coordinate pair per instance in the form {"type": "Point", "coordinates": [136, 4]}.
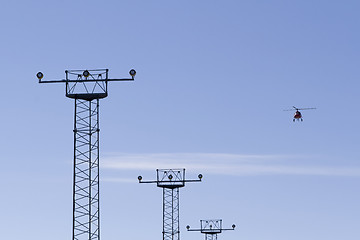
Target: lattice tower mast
{"type": "Point", "coordinates": [171, 180]}
{"type": "Point", "coordinates": [211, 228]}
{"type": "Point", "coordinates": [86, 87]}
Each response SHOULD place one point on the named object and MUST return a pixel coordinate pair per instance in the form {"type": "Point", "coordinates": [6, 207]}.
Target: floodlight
{"type": "Point", "coordinates": [139, 178]}
{"type": "Point", "coordinates": [187, 227]}
{"type": "Point", "coordinates": [132, 72]}
{"type": "Point", "coordinates": [170, 176]}
{"type": "Point", "coordinates": [200, 176]}
{"type": "Point", "coordinates": [233, 226]}
{"type": "Point", "coordinates": [39, 75]}
{"type": "Point", "coordinates": [86, 73]}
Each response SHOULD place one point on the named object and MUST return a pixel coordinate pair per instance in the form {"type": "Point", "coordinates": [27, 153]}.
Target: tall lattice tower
{"type": "Point", "coordinates": [211, 228]}
{"type": "Point", "coordinates": [86, 87]}
{"type": "Point", "coordinates": [171, 180]}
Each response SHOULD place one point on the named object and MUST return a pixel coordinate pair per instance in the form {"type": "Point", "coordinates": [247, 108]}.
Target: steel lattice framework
{"type": "Point", "coordinates": [211, 228]}
{"type": "Point", "coordinates": [86, 87]}
{"type": "Point", "coordinates": [171, 213]}
{"type": "Point", "coordinates": [171, 180]}
{"type": "Point", "coordinates": [86, 170]}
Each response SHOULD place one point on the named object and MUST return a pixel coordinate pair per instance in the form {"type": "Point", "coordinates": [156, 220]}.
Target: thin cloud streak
{"type": "Point", "coordinates": [119, 180]}
{"type": "Point", "coordinates": [225, 164]}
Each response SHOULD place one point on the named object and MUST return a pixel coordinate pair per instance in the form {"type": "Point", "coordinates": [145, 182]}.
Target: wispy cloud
{"type": "Point", "coordinates": [119, 180]}
{"type": "Point", "coordinates": [226, 164]}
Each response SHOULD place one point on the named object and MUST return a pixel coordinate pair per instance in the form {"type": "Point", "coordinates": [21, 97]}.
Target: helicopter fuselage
{"type": "Point", "coordinates": [297, 115]}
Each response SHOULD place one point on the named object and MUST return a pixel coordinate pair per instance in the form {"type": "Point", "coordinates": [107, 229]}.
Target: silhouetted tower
{"type": "Point", "coordinates": [211, 228]}
{"type": "Point", "coordinates": [86, 87]}
{"type": "Point", "coordinates": [170, 180]}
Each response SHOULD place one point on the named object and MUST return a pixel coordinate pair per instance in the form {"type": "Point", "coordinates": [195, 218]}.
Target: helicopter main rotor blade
{"type": "Point", "coordinates": [305, 108]}
{"type": "Point", "coordinates": [292, 109]}
{"type": "Point", "coordinates": [295, 108]}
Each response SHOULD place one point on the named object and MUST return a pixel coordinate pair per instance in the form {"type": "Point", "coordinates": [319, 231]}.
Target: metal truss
{"type": "Point", "coordinates": [171, 180]}
{"type": "Point", "coordinates": [211, 228]}
{"type": "Point", "coordinates": [210, 236]}
{"type": "Point", "coordinates": [171, 228]}
{"type": "Point", "coordinates": [86, 205]}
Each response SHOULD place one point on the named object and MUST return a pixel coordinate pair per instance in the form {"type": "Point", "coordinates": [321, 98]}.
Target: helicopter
{"type": "Point", "coordinates": [297, 114]}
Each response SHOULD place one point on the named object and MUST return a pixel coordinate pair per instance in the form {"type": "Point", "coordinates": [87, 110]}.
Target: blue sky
{"type": "Point", "coordinates": [213, 79]}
